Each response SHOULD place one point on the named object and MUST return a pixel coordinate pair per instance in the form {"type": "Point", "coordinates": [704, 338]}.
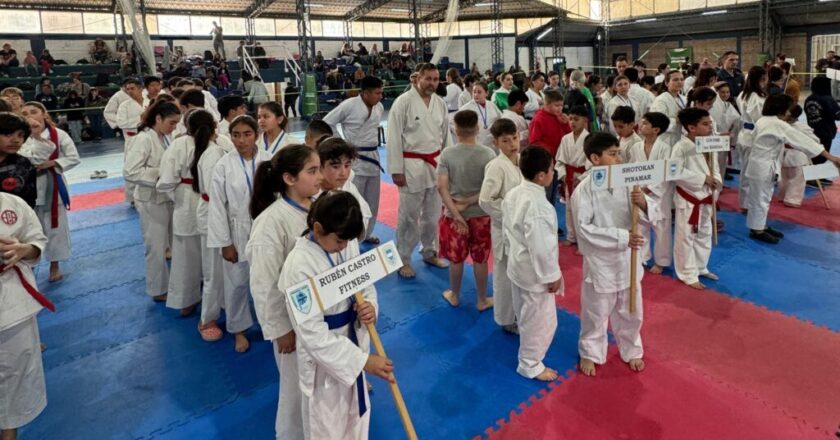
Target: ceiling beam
{"type": "Point", "coordinates": [257, 8]}
{"type": "Point", "coordinates": [440, 14]}
{"type": "Point", "coordinates": [364, 9]}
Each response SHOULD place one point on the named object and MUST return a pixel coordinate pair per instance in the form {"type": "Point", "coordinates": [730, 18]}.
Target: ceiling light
{"type": "Point", "coordinates": [645, 20]}
{"type": "Point", "coordinates": [399, 10]}
{"type": "Point", "coordinates": [314, 5]}
{"type": "Point", "coordinates": [545, 32]}
{"type": "Point", "coordinates": [482, 5]}
{"type": "Point", "coordinates": [722, 11]}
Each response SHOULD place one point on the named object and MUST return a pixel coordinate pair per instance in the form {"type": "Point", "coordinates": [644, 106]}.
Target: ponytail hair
{"type": "Point", "coordinates": [268, 180]}
{"type": "Point", "coordinates": [159, 108]}
{"type": "Point", "coordinates": [753, 82]}
{"type": "Point", "coordinates": [277, 109]}
{"type": "Point", "coordinates": [202, 127]}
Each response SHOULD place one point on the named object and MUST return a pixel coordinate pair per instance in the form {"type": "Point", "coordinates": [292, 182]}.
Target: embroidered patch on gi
{"type": "Point", "coordinates": [10, 184]}
{"type": "Point", "coordinates": [9, 217]}
{"type": "Point", "coordinates": [600, 176]}
{"type": "Point", "coordinates": [302, 300]}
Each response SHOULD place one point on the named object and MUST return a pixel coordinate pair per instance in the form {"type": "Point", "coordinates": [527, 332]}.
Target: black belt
{"type": "Point", "coordinates": [370, 159]}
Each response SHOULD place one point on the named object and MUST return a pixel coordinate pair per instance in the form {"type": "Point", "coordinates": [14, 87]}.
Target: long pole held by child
{"type": "Point", "coordinates": [710, 162]}
{"type": "Point", "coordinates": [395, 389]}
{"type": "Point", "coordinates": [634, 253]}
{"type": "Point", "coordinates": [822, 192]}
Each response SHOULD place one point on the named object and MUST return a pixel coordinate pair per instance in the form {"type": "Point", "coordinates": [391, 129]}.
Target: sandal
{"type": "Point", "coordinates": [372, 240]}
{"type": "Point", "coordinates": [210, 332]}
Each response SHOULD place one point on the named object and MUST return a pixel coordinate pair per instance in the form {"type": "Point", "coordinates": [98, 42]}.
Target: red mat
{"type": "Point", "coordinates": [97, 199]}
{"type": "Point", "coordinates": [812, 212]}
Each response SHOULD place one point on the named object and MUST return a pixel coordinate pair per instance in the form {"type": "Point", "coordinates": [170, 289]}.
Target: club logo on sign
{"type": "Point", "coordinates": [600, 176]}
{"type": "Point", "coordinates": [303, 300]}
{"type": "Point", "coordinates": [389, 255]}
{"type": "Point", "coordinates": [9, 217]}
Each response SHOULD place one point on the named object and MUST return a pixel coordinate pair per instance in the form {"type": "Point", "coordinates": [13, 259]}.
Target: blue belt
{"type": "Point", "coordinates": [370, 159]}
{"type": "Point", "coordinates": [749, 125]}
{"type": "Point", "coordinates": [348, 317]}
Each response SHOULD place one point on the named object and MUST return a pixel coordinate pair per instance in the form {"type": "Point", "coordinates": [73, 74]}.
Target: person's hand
{"type": "Point", "coordinates": [286, 343]}
{"type": "Point", "coordinates": [460, 205]}
{"type": "Point", "coordinates": [45, 165]}
{"type": "Point", "coordinates": [381, 367]}
{"type": "Point", "coordinates": [460, 224]}
{"type": "Point", "coordinates": [711, 182]}
{"type": "Point", "coordinates": [399, 179]}
{"type": "Point", "coordinates": [835, 160]}
{"type": "Point", "coordinates": [556, 287]}
{"type": "Point", "coordinates": [638, 198]}
{"type": "Point", "coordinates": [366, 313]}
{"type": "Point", "coordinates": [13, 251]}
{"type": "Point", "coordinates": [229, 254]}
{"type": "Point", "coordinates": [36, 127]}
{"type": "Point", "coordinates": [563, 118]}
{"type": "Point", "coordinates": [636, 241]}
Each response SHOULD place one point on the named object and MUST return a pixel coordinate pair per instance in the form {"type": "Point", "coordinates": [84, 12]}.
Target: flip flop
{"type": "Point", "coordinates": [210, 333]}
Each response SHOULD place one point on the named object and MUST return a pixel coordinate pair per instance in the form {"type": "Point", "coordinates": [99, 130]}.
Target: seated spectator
{"type": "Point", "coordinates": [75, 118]}
{"type": "Point", "coordinates": [223, 76]}
{"type": "Point", "coordinates": [94, 102]}
{"type": "Point", "coordinates": [44, 81]}
{"type": "Point", "coordinates": [47, 62]}
{"type": "Point", "coordinates": [362, 50]}
{"type": "Point", "coordinates": [14, 96]}
{"type": "Point", "coordinates": [99, 52]}
{"type": "Point", "coordinates": [77, 85]}
{"type": "Point", "coordinates": [10, 56]}
{"type": "Point", "coordinates": [358, 75]}
{"type": "Point", "coordinates": [30, 63]}
{"type": "Point", "coordinates": [47, 98]}
{"type": "Point", "coordinates": [211, 87]}
{"type": "Point", "coordinates": [198, 71]}
{"type": "Point", "coordinates": [374, 51]}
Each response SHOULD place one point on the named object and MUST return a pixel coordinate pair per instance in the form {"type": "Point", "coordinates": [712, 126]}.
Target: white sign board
{"type": "Point", "coordinates": [310, 298]}
{"type": "Point", "coordinates": [638, 173]}
{"type": "Point", "coordinates": [832, 73]}
{"type": "Point", "coordinates": [711, 144]}
{"type": "Point", "coordinates": [825, 170]}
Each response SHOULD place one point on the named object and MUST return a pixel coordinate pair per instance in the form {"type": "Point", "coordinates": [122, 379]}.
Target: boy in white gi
{"type": "Point", "coordinates": [653, 147]}
{"type": "Point", "coordinates": [792, 185]}
{"type": "Point", "coordinates": [624, 123]}
{"type": "Point", "coordinates": [337, 158]}
{"type": "Point", "coordinates": [603, 220]}
{"type": "Point", "coordinates": [128, 114]}
{"type": "Point", "coordinates": [517, 100]}
{"type": "Point", "coordinates": [316, 132]}
{"type": "Point", "coordinates": [529, 223]}
{"type": "Point", "coordinates": [571, 163]}
{"type": "Point", "coordinates": [23, 394]}
{"type": "Point", "coordinates": [695, 194]}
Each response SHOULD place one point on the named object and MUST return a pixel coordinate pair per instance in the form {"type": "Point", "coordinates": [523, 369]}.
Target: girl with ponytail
{"type": "Point", "coordinates": [751, 102]}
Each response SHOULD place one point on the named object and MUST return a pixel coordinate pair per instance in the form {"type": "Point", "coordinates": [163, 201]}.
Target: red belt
{"type": "Point", "coordinates": [186, 181]}
{"type": "Point", "coordinates": [694, 218]}
{"type": "Point", "coordinates": [570, 177]}
{"type": "Point", "coordinates": [36, 295]}
{"type": "Point", "coordinates": [205, 197]}
{"type": "Point", "coordinates": [130, 133]}
{"type": "Point", "coordinates": [429, 158]}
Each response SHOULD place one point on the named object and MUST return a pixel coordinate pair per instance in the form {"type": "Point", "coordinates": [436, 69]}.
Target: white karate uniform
{"type": "Point", "coordinates": [142, 168]}
{"type": "Point", "coordinates": [727, 120]}
{"type": "Point", "coordinates": [625, 143]}
{"type": "Point", "coordinates": [273, 235]}
{"type": "Point", "coordinates": [224, 128]}
{"type": "Point", "coordinates": [38, 151]}
{"type": "Point", "coordinates": [113, 106]}
{"type": "Point", "coordinates": [329, 363]}
{"type": "Point", "coordinates": [521, 125]}
{"type": "Point", "coordinates": [620, 101]}
{"type": "Point", "coordinates": [229, 223]}
{"type": "Point", "coordinates": [211, 105]}
{"type": "Point", "coordinates": [487, 115]}
{"type": "Point", "coordinates": [535, 102]}
{"type": "Point", "coordinates": [571, 153]}
{"type": "Point", "coordinates": [603, 219]}
{"type": "Point", "coordinates": [417, 128]}
{"type": "Point", "coordinates": [129, 114]}
{"type": "Point", "coordinates": [360, 126]}
{"type": "Point", "coordinates": [464, 98]}
{"type": "Point", "coordinates": [692, 249]}
{"type": "Point", "coordinates": [770, 137]}
{"type": "Point", "coordinates": [750, 113]}
{"type": "Point", "coordinates": [212, 292]}
{"type": "Point", "coordinates": [688, 84]}
{"type": "Point", "coordinates": [23, 394]}
{"type": "Point", "coordinates": [642, 97]}
{"type": "Point", "coordinates": [670, 106]}
{"type": "Point", "coordinates": [792, 186]}
{"type": "Point", "coordinates": [453, 93]}
{"type": "Point", "coordinates": [272, 147]}
{"type": "Point", "coordinates": [186, 268]}
{"type": "Point", "coordinates": [663, 194]}
{"type": "Point", "coordinates": [529, 223]}
{"type": "Point", "coordinates": [500, 176]}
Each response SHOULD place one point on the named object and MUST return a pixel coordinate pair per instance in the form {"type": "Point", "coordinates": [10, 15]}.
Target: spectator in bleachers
{"type": "Point", "coordinates": [10, 57]}
{"type": "Point", "coordinates": [374, 51]}
{"type": "Point", "coordinates": [289, 100]}
{"type": "Point", "coordinates": [319, 61]}
{"type": "Point", "coordinates": [259, 54]}
{"type": "Point", "coordinates": [47, 62]}
{"type": "Point", "coordinates": [347, 53]}
{"type": "Point", "coordinates": [198, 70]}
{"type": "Point", "coordinates": [358, 75]}
{"type": "Point", "coordinates": [30, 64]}
{"type": "Point", "coordinates": [75, 118]}
{"type": "Point", "coordinates": [362, 50]}
{"type": "Point", "coordinates": [255, 90]}
{"type": "Point", "coordinates": [94, 103]}
{"type": "Point", "coordinates": [77, 85]}
{"type": "Point", "coordinates": [210, 86]}
{"type": "Point", "coordinates": [99, 52]}
{"type": "Point", "coordinates": [14, 96]}
{"type": "Point", "coordinates": [182, 70]}
{"type": "Point", "coordinates": [47, 98]}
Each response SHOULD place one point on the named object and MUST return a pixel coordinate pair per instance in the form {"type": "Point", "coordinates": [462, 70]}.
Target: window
{"type": "Point", "coordinates": [235, 26]}
{"type": "Point", "coordinates": [357, 29]}
{"type": "Point", "coordinates": [432, 30]}
{"type": "Point", "coordinates": [449, 29]}
{"type": "Point", "coordinates": [152, 24]}
{"type": "Point", "coordinates": [98, 23]}
{"type": "Point", "coordinates": [390, 29]}
{"type": "Point", "coordinates": [334, 29]}
{"type": "Point", "coordinates": [406, 30]}
{"type": "Point", "coordinates": [468, 27]}
{"type": "Point", "coordinates": [686, 5]}
{"type": "Point", "coordinates": [19, 21]}
{"type": "Point", "coordinates": [664, 6]}
{"type": "Point", "coordinates": [642, 7]}
{"type": "Point", "coordinates": [264, 27]}
{"type": "Point", "coordinates": [523, 25]}
{"type": "Point", "coordinates": [509, 26]}
{"type": "Point", "coordinates": [286, 28]}
{"type": "Point", "coordinates": [373, 29]}
{"type": "Point", "coordinates": [315, 28]}
{"type": "Point", "coordinates": [173, 24]}
{"type": "Point", "coordinates": [61, 22]}
{"type": "Point", "coordinates": [202, 24]}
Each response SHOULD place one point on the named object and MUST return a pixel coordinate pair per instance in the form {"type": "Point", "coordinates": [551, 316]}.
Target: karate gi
{"type": "Point", "coordinates": [570, 164]}
{"type": "Point", "coordinates": [642, 97]}
{"type": "Point", "coordinates": [330, 364]}
{"type": "Point", "coordinates": [692, 249]}
{"type": "Point", "coordinates": [530, 233]}
{"type": "Point", "coordinates": [142, 168]}
{"type": "Point", "coordinates": [416, 134]}
{"type": "Point", "coordinates": [769, 139]}
{"type": "Point", "coordinates": [212, 293]}
{"type": "Point", "coordinates": [621, 101]}
{"type": "Point", "coordinates": [211, 105]}
{"type": "Point", "coordinates": [224, 128]}
{"type": "Point", "coordinates": [500, 176]}
{"type": "Point", "coordinates": [603, 220]}
{"type": "Point", "coordinates": [453, 94]}
{"type": "Point", "coordinates": [360, 127]}
{"type": "Point", "coordinates": [535, 102]}
{"type": "Point", "coordinates": [23, 394]}
{"type": "Point", "coordinates": [792, 187]}
{"type": "Point", "coordinates": [113, 106]}
{"type": "Point", "coordinates": [487, 115]}
{"type": "Point", "coordinates": [464, 98]}
{"type": "Point", "coordinates": [272, 147]}
{"type": "Point", "coordinates": [521, 125]}
{"type": "Point", "coordinates": [129, 114]}
{"type": "Point", "coordinates": [176, 180]}
{"type": "Point", "coordinates": [663, 194]}
{"type": "Point", "coordinates": [727, 120]}
{"type": "Point", "coordinates": [273, 235]}
{"type": "Point", "coordinates": [50, 202]}
{"type": "Point", "coordinates": [750, 113]}
{"type": "Point", "coordinates": [625, 143]}
{"type": "Point", "coordinates": [670, 106]}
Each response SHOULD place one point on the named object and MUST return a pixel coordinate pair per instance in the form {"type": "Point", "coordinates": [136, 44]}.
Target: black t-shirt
{"type": "Point", "coordinates": [17, 176]}
{"type": "Point", "coordinates": [821, 112]}
{"type": "Point", "coordinates": [49, 101]}
{"type": "Point", "coordinates": [74, 103]}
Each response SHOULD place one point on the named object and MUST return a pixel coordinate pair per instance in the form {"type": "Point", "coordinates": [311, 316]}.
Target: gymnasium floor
{"type": "Point", "coordinates": [757, 356]}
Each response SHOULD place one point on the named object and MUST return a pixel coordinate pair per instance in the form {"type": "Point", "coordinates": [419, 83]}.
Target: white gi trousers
{"type": "Point", "coordinates": [155, 221]}
{"type": "Point", "coordinates": [758, 203]}
{"type": "Point", "coordinates": [662, 246]}
{"type": "Point", "coordinates": [743, 183]}
{"type": "Point", "coordinates": [58, 238]}
{"type": "Point", "coordinates": [23, 394]}
{"type": "Point", "coordinates": [692, 249]}
{"type": "Point", "coordinates": [289, 422]}
{"type": "Point", "coordinates": [333, 411]}
{"type": "Point", "coordinates": [537, 323]}
{"type": "Point", "coordinates": [368, 187]}
{"type": "Point", "coordinates": [185, 272]}
{"type": "Point", "coordinates": [597, 311]}
{"type": "Point", "coordinates": [212, 293]}
{"type": "Point", "coordinates": [505, 304]}
{"type": "Point", "coordinates": [571, 235]}
{"type": "Point", "coordinates": [237, 292]}
{"type": "Point", "coordinates": [792, 188]}
{"type": "Point", "coordinates": [417, 220]}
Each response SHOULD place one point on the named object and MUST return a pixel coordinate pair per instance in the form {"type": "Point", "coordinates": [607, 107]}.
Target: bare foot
{"type": "Point", "coordinates": [710, 276]}
{"type": "Point", "coordinates": [485, 304]}
{"type": "Point", "coordinates": [436, 262]}
{"type": "Point", "coordinates": [55, 273]}
{"type": "Point", "coordinates": [698, 285]}
{"type": "Point", "coordinates": [587, 367]}
{"type": "Point", "coordinates": [656, 269]}
{"type": "Point", "coordinates": [451, 298]}
{"type": "Point", "coordinates": [8, 434]}
{"type": "Point", "coordinates": [241, 344]}
{"type": "Point", "coordinates": [637, 365]}
{"type": "Point", "coordinates": [187, 311]}
{"type": "Point", "coordinates": [159, 298]}
{"type": "Point", "coordinates": [567, 243]}
{"type": "Point", "coordinates": [407, 271]}
{"type": "Point", "coordinates": [547, 375]}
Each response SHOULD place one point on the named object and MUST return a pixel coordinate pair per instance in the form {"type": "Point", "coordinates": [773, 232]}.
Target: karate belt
{"type": "Point", "coordinates": [694, 218]}
{"type": "Point", "coordinates": [59, 188]}
{"type": "Point", "coordinates": [570, 178]}
{"type": "Point", "coordinates": [205, 197]}
{"type": "Point", "coordinates": [33, 292]}
{"type": "Point", "coordinates": [370, 159]}
{"type": "Point", "coordinates": [130, 133]}
{"type": "Point", "coordinates": [186, 181]}
{"type": "Point", "coordinates": [429, 158]}
{"type": "Point", "coordinates": [749, 125]}
{"type": "Point", "coordinates": [348, 317]}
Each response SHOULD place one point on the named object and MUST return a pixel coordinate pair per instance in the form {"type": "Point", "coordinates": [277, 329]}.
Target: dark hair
{"type": "Point", "coordinates": [185, 83]}
{"type": "Point", "coordinates": [632, 75]}
{"type": "Point", "coordinates": [334, 149]}
{"type": "Point", "coordinates": [481, 84]}
{"type": "Point", "coordinates": [639, 63]}
{"type": "Point", "coordinates": [662, 67]}
{"type": "Point", "coordinates": [11, 123]}
{"type": "Point", "coordinates": [128, 81]}
{"type": "Point", "coordinates": [702, 94]}
{"type": "Point", "coordinates": [515, 97]}
{"type": "Point", "coordinates": [192, 97]}
{"type": "Point", "coordinates": [534, 160]}
{"type": "Point", "coordinates": [648, 80]}
{"type": "Point", "coordinates": [611, 80]}
{"type": "Point", "coordinates": [370, 83]}
{"type": "Point", "coordinates": [5, 106]}
{"type": "Point", "coordinates": [244, 119]}
{"type": "Point", "coordinates": [150, 79]}
{"type": "Point", "coordinates": [198, 82]}
{"type": "Point", "coordinates": [670, 75]}
{"type": "Point", "coordinates": [337, 212]}
{"type": "Point", "coordinates": [423, 67]}
{"type": "Point", "coordinates": [277, 110]}
{"type": "Point", "coordinates": [163, 109]}
{"type": "Point", "coordinates": [319, 129]}
{"type": "Point", "coordinates": [704, 77]}
{"type": "Point", "coordinates": [658, 120]}
{"type": "Point", "coordinates": [202, 126]}
{"type": "Point", "coordinates": [177, 92]}
{"type": "Point", "coordinates": [796, 111]}
{"type": "Point", "coordinates": [775, 73]}
{"type": "Point", "coordinates": [621, 58]}
{"type": "Point", "coordinates": [465, 120]}
{"type": "Point", "coordinates": [469, 79]}
{"type": "Point", "coordinates": [593, 81]}
{"type": "Point", "coordinates": [552, 96]}
{"type": "Point", "coordinates": [553, 73]}
{"type": "Point", "coordinates": [173, 82]}
{"type": "Point", "coordinates": [537, 75]}
{"type": "Point", "coordinates": [230, 103]}
{"type": "Point", "coordinates": [753, 82]}
{"type": "Point", "coordinates": [503, 126]}
{"type": "Point", "coordinates": [624, 114]}
{"type": "Point", "coordinates": [821, 85]}
{"type": "Point", "coordinates": [691, 116]}
{"type": "Point", "coordinates": [269, 177]}
{"type": "Point", "coordinates": [579, 110]}
{"type": "Point", "coordinates": [597, 143]}
{"type": "Point", "coordinates": [777, 105]}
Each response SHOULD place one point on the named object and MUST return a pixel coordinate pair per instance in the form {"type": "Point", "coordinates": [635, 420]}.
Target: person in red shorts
{"type": "Point", "coordinates": [464, 228]}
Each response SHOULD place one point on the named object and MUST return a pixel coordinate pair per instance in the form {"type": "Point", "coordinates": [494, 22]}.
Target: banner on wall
{"type": "Point", "coordinates": [679, 56]}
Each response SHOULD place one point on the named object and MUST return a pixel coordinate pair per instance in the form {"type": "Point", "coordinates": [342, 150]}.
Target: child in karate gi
{"type": "Point", "coordinates": [696, 190]}
{"type": "Point", "coordinates": [17, 174]}
{"type": "Point", "coordinates": [23, 394]}
{"type": "Point", "coordinates": [127, 114]}
{"type": "Point", "coordinates": [750, 102]}
{"type": "Point", "coordinates": [295, 173]}
{"type": "Point", "coordinates": [230, 107]}
{"type": "Point", "coordinates": [317, 132]}
{"type": "Point", "coordinates": [272, 122]}
{"type": "Point", "coordinates": [603, 220]}
{"type": "Point", "coordinates": [337, 157]}
{"type": "Point", "coordinates": [530, 224]}
{"type": "Point", "coordinates": [517, 100]}
{"type": "Point", "coordinates": [728, 120]}
{"type": "Point", "coordinates": [53, 153]}
{"type": "Point", "coordinates": [621, 99]}
{"type": "Point", "coordinates": [333, 352]}
{"type": "Point", "coordinates": [500, 176]}
{"type": "Point", "coordinates": [670, 103]}
{"type": "Point", "coordinates": [464, 228]}
{"type": "Point", "coordinates": [571, 163]}
{"type": "Point", "coordinates": [624, 123]}
{"type": "Point", "coordinates": [771, 135]}
{"type": "Point", "coordinates": [487, 112]}
{"type": "Point", "coordinates": [792, 185]}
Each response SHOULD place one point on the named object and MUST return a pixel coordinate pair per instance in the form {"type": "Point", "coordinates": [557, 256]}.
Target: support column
{"type": "Point", "coordinates": [497, 48]}
{"type": "Point", "coordinates": [304, 35]}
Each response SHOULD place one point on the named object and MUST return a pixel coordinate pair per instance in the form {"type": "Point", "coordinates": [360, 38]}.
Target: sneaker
{"type": "Point", "coordinates": [774, 232]}
{"type": "Point", "coordinates": [96, 175]}
{"type": "Point", "coordinates": [763, 236]}
{"type": "Point", "coordinates": [826, 182]}
{"type": "Point", "coordinates": [812, 184]}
